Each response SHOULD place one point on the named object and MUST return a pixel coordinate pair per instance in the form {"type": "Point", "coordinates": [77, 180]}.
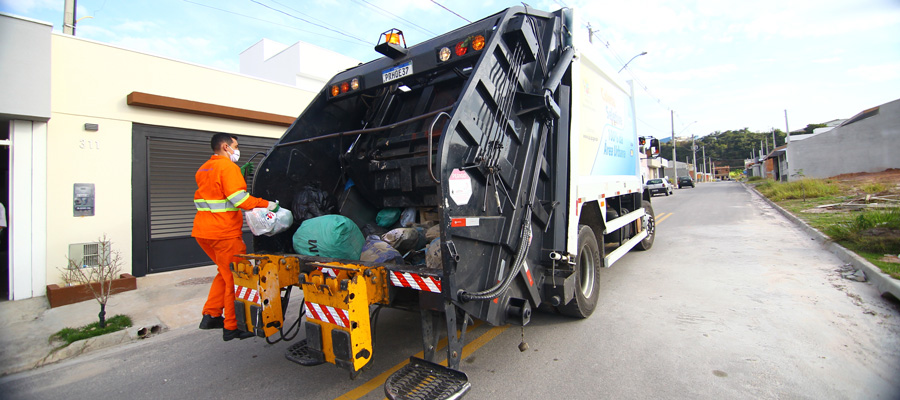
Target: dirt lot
{"type": "Point", "coordinates": [889, 178]}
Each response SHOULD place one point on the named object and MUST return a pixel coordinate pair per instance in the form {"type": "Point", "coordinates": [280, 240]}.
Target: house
{"type": "Point", "coordinates": [867, 142]}
{"type": "Point", "coordinates": [100, 140]}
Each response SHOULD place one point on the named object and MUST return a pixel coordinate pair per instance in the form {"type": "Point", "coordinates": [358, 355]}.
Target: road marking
{"type": "Point", "coordinates": [379, 380]}
{"type": "Point", "coordinates": [661, 219]}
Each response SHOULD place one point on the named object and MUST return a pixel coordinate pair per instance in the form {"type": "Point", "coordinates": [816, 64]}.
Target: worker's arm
{"type": "Point", "coordinates": [236, 191]}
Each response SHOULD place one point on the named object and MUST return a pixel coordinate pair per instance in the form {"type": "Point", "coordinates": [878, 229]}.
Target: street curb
{"type": "Point", "coordinates": [882, 282]}
{"type": "Point", "coordinates": [86, 346]}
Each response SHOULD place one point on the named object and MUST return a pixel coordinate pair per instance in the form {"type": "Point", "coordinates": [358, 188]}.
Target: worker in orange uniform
{"type": "Point", "coordinates": [220, 196]}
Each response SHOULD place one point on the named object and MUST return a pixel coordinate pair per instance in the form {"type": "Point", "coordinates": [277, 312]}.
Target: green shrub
{"type": "Point", "coordinates": [754, 178]}
{"type": "Point", "coordinates": [70, 335]}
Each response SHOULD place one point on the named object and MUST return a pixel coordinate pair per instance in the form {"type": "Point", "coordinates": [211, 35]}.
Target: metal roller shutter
{"type": "Point", "coordinates": [165, 161]}
{"type": "Point", "coordinates": [172, 165]}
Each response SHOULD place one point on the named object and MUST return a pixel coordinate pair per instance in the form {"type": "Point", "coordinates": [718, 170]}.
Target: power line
{"type": "Point", "coordinates": [310, 22]}
{"type": "Point", "coordinates": [304, 14]}
{"type": "Point", "coordinates": [269, 22]}
{"type": "Point", "coordinates": [451, 11]}
{"type": "Point", "coordinates": [399, 18]}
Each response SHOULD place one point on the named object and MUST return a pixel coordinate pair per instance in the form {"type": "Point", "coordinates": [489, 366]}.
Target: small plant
{"type": "Point", "coordinates": [754, 178]}
{"type": "Point", "coordinates": [71, 335]}
{"type": "Point", "coordinates": [107, 269]}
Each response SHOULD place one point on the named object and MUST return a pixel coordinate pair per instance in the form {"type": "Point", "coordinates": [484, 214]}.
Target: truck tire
{"type": "Point", "coordinates": [587, 275]}
{"type": "Point", "coordinates": [647, 243]}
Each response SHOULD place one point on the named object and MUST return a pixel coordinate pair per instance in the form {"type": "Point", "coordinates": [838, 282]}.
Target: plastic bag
{"type": "Point", "coordinates": [264, 222]}
{"type": "Point", "coordinates": [387, 217]}
{"type": "Point", "coordinates": [311, 202]}
{"type": "Point", "coordinates": [377, 250]}
{"type": "Point", "coordinates": [405, 239]}
{"type": "Point", "coordinates": [408, 217]}
{"type": "Point", "coordinates": [332, 236]}
{"type": "Point", "coordinates": [433, 255]}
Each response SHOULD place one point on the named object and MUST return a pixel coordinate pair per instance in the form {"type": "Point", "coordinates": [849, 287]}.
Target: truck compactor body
{"type": "Point", "coordinates": [510, 135]}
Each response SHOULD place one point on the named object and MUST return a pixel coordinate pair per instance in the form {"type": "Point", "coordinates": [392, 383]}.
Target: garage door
{"type": "Point", "coordinates": [165, 161]}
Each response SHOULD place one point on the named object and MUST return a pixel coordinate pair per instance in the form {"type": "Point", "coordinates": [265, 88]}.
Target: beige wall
{"type": "Point", "coordinates": [90, 82]}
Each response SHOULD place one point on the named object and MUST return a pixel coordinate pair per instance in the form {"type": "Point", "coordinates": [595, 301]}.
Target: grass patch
{"type": "Point", "coordinates": [873, 188]}
{"type": "Point", "coordinates": [801, 189]}
{"type": "Point", "coordinates": [71, 335]}
{"type": "Point", "coordinates": [754, 178]}
{"type": "Point", "coordinates": [872, 231]}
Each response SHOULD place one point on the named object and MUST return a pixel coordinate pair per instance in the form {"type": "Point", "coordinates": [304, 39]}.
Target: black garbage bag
{"type": "Point", "coordinates": [312, 202]}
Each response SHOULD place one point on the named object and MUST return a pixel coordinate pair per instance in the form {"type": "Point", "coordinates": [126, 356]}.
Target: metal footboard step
{"type": "Point", "coordinates": [421, 379]}
{"type": "Point", "coordinates": [299, 353]}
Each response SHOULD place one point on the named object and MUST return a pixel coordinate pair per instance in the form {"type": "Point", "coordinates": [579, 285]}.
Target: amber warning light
{"type": "Point", "coordinates": [392, 44]}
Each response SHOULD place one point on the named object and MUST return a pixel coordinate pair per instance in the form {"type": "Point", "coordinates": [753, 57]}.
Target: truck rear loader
{"type": "Point", "coordinates": [511, 136]}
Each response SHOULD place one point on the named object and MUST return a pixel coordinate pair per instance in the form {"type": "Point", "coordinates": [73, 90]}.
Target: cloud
{"type": "Point", "coordinates": [137, 26]}
{"type": "Point", "coordinates": [889, 72]}
{"type": "Point", "coordinates": [27, 6]}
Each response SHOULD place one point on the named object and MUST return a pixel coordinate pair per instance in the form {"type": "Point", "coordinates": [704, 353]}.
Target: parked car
{"type": "Point", "coordinates": [685, 181]}
{"type": "Point", "coordinates": [658, 186]}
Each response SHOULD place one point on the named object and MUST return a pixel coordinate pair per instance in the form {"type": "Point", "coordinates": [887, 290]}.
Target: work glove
{"type": "Point", "coordinates": [247, 169]}
{"type": "Point", "coordinates": [273, 206]}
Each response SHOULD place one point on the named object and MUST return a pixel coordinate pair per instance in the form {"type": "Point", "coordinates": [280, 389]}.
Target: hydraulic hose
{"type": "Point", "coordinates": [503, 285]}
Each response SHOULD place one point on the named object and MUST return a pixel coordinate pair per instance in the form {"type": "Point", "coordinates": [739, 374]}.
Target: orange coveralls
{"type": "Point", "coordinates": [221, 194]}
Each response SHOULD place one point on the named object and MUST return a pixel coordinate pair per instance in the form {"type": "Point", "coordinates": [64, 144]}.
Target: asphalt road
{"type": "Point", "coordinates": [733, 301]}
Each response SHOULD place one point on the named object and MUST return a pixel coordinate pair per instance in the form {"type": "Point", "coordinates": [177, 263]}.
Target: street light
{"type": "Point", "coordinates": [632, 59]}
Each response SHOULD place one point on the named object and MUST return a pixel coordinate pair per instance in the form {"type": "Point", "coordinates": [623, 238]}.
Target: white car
{"type": "Point", "coordinates": [658, 185]}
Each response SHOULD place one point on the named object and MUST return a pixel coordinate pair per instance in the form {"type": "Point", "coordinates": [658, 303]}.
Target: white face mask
{"type": "Point", "coordinates": [235, 156]}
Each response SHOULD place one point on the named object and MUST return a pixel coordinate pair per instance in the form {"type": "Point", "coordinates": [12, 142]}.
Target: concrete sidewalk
{"type": "Point", "coordinates": [161, 302]}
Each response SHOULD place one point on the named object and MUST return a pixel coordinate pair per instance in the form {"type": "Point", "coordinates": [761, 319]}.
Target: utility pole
{"type": "Point", "coordinates": [704, 165]}
{"type": "Point", "coordinates": [774, 142]}
{"type": "Point", "coordinates": [694, 151]}
{"type": "Point", "coordinates": [69, 17]}
{"type": "Point", "coordinates": [674, 145]}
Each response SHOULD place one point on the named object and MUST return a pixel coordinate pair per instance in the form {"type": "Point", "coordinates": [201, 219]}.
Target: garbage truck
{"type": "Point", "coordinates": [509, 138]}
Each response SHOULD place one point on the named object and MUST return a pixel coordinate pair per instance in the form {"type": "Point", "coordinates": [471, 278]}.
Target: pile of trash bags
{"type": "Point", "coordinates": [395, 238]}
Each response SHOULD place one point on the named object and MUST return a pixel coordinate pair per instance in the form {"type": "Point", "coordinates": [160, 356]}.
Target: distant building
{"type": "Point", "coordinates": [301, 64]}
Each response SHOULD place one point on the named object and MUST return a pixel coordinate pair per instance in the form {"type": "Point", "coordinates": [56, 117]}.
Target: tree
{"type": "Point", "coordinates": [107, 269]}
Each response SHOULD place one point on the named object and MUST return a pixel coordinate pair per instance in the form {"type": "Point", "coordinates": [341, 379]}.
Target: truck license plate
{"type": "Point", "coordinates": [397, 72]}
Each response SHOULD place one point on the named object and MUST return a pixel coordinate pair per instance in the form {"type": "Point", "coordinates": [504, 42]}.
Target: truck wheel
{"type": "Point", "coordinates": [647, 243]}
{"type": "Point", "coordinates": [587, 275]}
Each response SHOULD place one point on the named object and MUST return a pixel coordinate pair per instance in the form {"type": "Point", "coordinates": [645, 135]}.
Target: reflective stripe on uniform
{"type": "Point", "coordinates": [215, 206]}
{"type": "Point", "coordinates": [238, 197]}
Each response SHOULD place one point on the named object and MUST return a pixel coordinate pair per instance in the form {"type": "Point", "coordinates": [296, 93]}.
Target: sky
{"type": "Point", "coordinates": [717, 64]}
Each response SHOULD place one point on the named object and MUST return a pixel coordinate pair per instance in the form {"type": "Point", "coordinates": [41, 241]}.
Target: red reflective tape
{"type": "Point", "coordinates": [402, 279]}
{"type": "Point", "coordinates": [312, 311]}
{"type": "Point", "coordinates": [420, 282]}
{"type": "Point", "coordinates": [528, 274]}
{"type": "Point", "coordinates": [345, 318]}
{"type": "Point", "coordinates": [437, 282]}
{"type": "Point", "coordinates": [455, 222]}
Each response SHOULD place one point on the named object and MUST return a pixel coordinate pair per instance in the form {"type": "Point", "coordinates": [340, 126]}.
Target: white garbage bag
{"type": "Point", "coordinates": [264, 222]}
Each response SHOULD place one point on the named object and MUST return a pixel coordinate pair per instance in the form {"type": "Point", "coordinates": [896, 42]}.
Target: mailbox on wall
{"type": "Point", "coordinates": [84, 200]}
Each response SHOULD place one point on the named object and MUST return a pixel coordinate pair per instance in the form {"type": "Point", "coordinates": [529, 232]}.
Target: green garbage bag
{"type": "Point", "coordinates": [332, 236]}
{"type": "Point", "coordinates": [387, 217]}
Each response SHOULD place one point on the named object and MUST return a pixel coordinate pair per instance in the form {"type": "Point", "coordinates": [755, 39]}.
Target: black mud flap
{"type": "Point", "coordinates": [299, 353]}
{"type": "Point", "coordinates": [421, 379]}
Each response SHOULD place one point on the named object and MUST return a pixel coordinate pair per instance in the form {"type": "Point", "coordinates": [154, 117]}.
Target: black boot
{"type": "Point", "coordinates": [209, 322]}
{"type": "Point", "coordinates": [228, 334]}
